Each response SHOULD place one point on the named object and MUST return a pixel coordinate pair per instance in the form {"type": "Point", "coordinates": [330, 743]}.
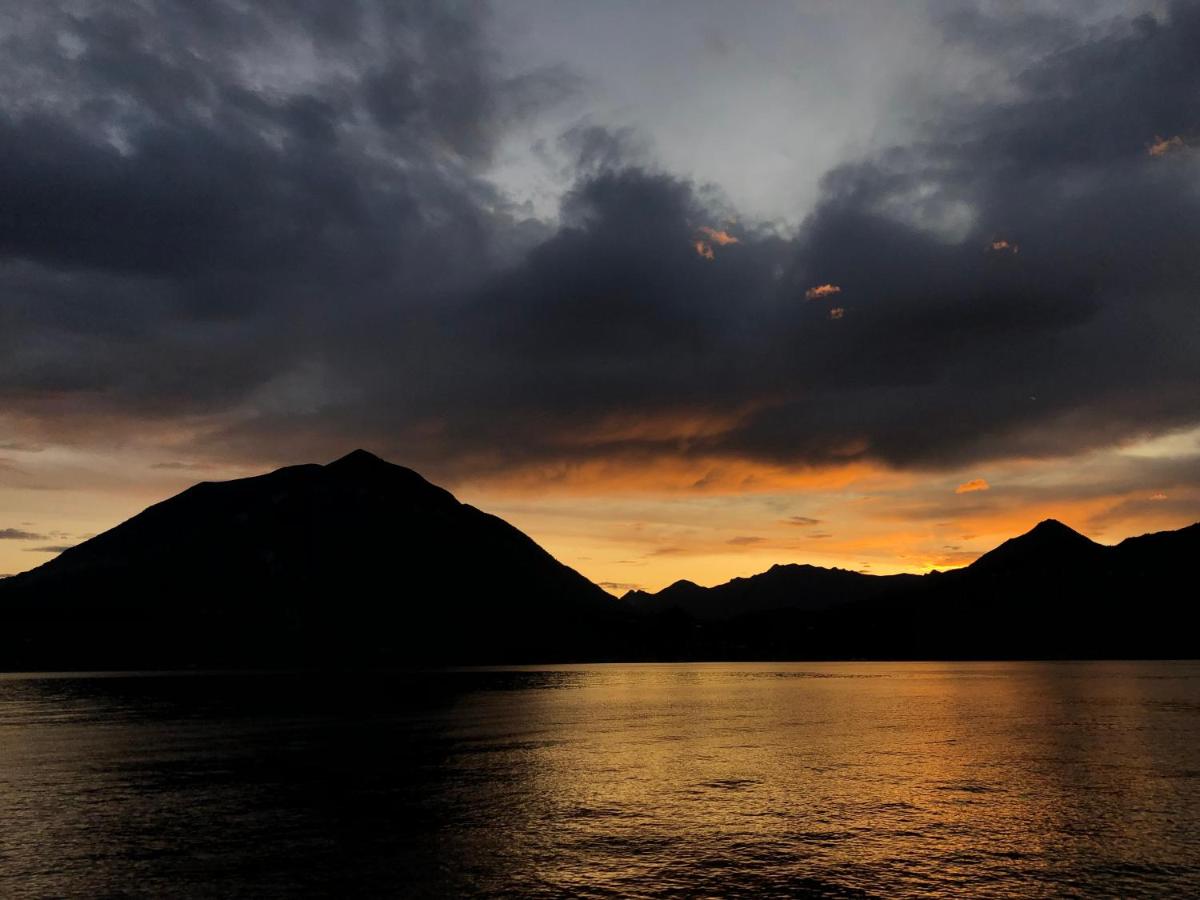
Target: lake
{"type": "Point", "coordinates": [674, 780]}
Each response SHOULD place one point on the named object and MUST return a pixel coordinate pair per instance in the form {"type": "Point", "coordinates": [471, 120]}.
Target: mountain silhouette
{"type": "Point", "coordinates": [1149, 554]}
{"type": "Point", "coordinates": [1048, 547]}
{"type": "Point", "coordinates": [356, 560]}
{"type": "Point", "coordinates": [362, 563]}
{"type": "Point", "coordinates": [1049, 593]}
{"type": "Point", "coordinates": [792, 587]}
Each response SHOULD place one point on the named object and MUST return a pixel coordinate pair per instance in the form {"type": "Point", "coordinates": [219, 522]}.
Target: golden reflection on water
{"type": "Point", "coordinates": [997, 779]}
{"type": "Point", "coordinates": [1006, 780]}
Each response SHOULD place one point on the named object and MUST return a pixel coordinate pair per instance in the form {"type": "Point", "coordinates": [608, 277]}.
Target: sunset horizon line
{"type": "Point", "coordinates": [362, 456]}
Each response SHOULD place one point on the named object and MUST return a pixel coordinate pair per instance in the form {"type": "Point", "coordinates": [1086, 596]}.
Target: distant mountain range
{"type": "Point", "coordinates": [1049, 593]}
{"type": "Point", "coordinates": [362, 562]}
{"type": "Point", "coordinates": [801, 588]}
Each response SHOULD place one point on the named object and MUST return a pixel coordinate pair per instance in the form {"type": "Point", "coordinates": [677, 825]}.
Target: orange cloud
{"type": "Point", "coordinates": [668, 475]}
{"type": "Point", "coordinates": [837, 312]}
{"type": "Point", "coordinates": [1163, 146]}
{"type": "Point", "coordinates": [1000, 245]}
{"type": "Point", "coordinates": [975, 484]}
{"type": "Point", "coordinates": [721, 238]}
{"type": "Point", "coordinates": [709, 236]}
{"type": "Point", "coordinates": [822, 290]}
{"type": "Point", "coordinates": [1159, 496]}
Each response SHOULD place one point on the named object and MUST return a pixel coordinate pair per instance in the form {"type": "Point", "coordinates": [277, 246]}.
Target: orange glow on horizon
{"type": "Point", "coordinates": [642, 500]}
{"type": "Point", "coordinates": [651, 525]}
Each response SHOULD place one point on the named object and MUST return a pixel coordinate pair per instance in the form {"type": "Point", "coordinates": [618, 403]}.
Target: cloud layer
{"type": "Point", "coordinates": [266, 230]}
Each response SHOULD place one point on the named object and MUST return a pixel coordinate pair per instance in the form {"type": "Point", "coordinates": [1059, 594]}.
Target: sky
{"type": "Point", "coordinates": [682, 290]}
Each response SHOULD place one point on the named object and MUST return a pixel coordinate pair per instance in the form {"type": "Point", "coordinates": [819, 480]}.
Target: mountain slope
{"type": "Point", "coordinates": [1162, 551]}
{"type": "Point", "coordinates": [311, 563]}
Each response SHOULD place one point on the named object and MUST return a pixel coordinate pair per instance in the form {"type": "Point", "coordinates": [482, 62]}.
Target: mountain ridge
{"type": "Point", "coordinates": [1050, 592]}
{"type": "Point", "coordinates": [364, 562]}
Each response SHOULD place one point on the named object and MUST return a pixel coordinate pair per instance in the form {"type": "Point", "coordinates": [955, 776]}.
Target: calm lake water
{"type": "Point", "coordinates": [722, 780]}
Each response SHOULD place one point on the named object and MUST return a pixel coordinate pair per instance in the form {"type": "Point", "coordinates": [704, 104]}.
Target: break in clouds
{"type": "Point", "coordinates": [273, 228]}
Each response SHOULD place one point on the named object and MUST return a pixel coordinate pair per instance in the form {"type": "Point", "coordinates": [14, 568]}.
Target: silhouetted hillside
{"type": "Point", "coordinates": [802, 588]}
{"type": "Point", "coordinates": [1150, 554]}
{"type": "Point", "coordinates": [353, 561]}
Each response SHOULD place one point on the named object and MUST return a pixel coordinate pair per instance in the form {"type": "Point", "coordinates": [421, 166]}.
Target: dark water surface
{"type": "Point", "coordinates": [722, 780]}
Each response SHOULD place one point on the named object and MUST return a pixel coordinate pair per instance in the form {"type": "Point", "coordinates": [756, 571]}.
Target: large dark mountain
{"type": "Point", "coordinates": [356, 561]}
{"type": "Point", "coordinates": [1048, 593]}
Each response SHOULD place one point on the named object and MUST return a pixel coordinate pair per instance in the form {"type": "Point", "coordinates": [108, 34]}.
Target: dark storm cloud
{"type": "Point", "coordinates": [952, 345]}
{"type": "Point", "coordinates": [281, 220]}
{"type": "Point", "coordinates": [593, 149]}
{"type": "Point", "coordinates": [200, 198]}
{"type": "Point", "coordinates": [951, 350]}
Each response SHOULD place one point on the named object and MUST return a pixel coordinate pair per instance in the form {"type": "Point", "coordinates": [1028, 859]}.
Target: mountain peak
{"type": "Point", "coordinates": [358, 458]}
{"type": "Point", "coordinates": [1051, 533]}
{"type": "Point", "coordinates": [1053, 527]}
{"type": "Point", "coordinates": [370, 472]}
{"type": "Point", "coordinates": [1048, 543]}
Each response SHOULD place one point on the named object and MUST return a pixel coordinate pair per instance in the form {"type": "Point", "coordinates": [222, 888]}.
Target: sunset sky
{"type": "Point", "coordinates": [682, 290]}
